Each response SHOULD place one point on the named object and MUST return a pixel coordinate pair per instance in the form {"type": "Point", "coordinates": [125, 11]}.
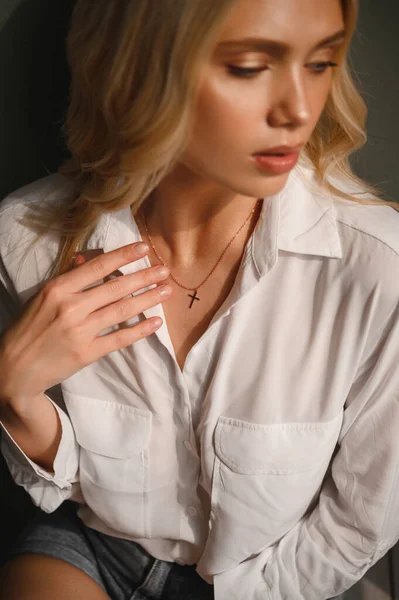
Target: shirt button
{"type": "Point", "coordinates": [188, 446]}
{"type": "Point", "coordinates": [192, 511]}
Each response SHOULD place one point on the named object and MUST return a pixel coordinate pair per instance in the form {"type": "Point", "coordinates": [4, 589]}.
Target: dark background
{"type": "Point", "coordinates": [34, 88]}
{"type": "Point", "coordinates": [33, 99]}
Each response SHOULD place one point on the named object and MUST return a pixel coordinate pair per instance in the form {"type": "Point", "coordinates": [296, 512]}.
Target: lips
{"type": "Point", "coordinates": [276, 164]}
{"type": "Point", "coordinates": [280, 150]}
{"type": "Point", "coordinates": [274, 153]}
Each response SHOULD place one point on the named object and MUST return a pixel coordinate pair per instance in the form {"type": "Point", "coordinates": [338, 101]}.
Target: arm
{"type": "Point", "coordinates": [45, 464]}
{"type": "Point", "coordinates": [356, 519]}
{"type": "Point", "coordinates": [40, 448]}
{"type": "Point", "coordinates": [38, 433]}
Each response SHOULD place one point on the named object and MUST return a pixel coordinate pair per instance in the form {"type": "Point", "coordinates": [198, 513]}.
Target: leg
{"type": "Point", "coordinates": [40, 577]}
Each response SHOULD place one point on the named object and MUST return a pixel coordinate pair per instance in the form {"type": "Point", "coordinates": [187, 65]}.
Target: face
{"type": "Point", "coordinates": [255, 98]}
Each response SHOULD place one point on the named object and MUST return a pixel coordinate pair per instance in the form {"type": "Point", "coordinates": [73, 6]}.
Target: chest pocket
{"type": "Point", "coordinates": [265, 477]}
{"type": "Point", "coordinates": [113, 466]}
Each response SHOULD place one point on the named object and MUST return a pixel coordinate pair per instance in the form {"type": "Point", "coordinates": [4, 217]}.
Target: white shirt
{"type": "Point", "coordinates": [271, 461]}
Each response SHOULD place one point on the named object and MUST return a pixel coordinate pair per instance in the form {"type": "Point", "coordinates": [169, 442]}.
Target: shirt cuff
{"type": "Point", "coordinates": [66, 460]}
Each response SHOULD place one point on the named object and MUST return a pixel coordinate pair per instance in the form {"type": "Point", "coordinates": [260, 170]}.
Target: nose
{"type": "Point", "coordinates": [290, 105]}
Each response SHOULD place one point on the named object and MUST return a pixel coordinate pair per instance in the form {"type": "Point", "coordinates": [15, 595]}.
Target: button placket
{"type": "Point", "coordinates": [192, 511]}
{"type": "Point", "coordinates": [188, 445]}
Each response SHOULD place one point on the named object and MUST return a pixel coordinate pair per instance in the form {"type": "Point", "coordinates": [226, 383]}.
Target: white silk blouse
{"type": "Point", "coordinates": [271, 461]}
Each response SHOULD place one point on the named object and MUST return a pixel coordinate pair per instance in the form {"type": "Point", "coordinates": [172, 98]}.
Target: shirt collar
{"type": "Point", "coordinates": [301, 219]}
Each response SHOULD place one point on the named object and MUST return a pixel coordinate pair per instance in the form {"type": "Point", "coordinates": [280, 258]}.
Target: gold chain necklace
{"type": "Point", "coordinates": [196, 288]}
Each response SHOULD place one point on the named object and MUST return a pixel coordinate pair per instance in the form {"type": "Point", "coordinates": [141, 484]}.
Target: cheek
{"type": "Point", "coordinates": [319, 99]}
{"type": "Point", "coordinates": [224, 121]}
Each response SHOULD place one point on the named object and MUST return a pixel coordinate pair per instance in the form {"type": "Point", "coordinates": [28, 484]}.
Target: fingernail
{"type": "Point", "coordinates": [165, 290]}
{"type": "Point", "coordinates": [79, 259]}
{"type": "Point", "coordinates": [141, 248]}
{"type": "Point", "coordinates": [162, 271]}
{"type": "Point", "coordinates": [155, 324]}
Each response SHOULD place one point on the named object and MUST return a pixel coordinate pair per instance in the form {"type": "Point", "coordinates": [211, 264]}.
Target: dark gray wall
{"type": "Point", "coordinates": [34, 82]}
{"type": "Point", "coordinates": [34, 87]}
{"type": "Point", "coordinates": [375, 58]}
{"type": "Point", "coordinates": [33, 98]}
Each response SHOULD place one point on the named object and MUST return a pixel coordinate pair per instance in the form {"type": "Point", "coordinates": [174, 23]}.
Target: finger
{"type": "Point", "coordinates": [126, 336]}
{"type": "Point", "coordinates": [126, 309]}
{"type": "Point", "coordinates": [118, 288]}
{"type": "Point", "coordinates": [100, 267]}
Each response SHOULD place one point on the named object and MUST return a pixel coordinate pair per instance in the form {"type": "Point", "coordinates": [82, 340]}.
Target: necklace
{"type": "Point", "coordinates": [196, 288]}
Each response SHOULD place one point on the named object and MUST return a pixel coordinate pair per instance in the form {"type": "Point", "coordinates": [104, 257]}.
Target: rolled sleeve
{"type": "Point", "coordinates": [47, 490]}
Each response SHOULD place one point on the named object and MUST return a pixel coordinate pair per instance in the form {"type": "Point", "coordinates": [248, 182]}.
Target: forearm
{"type": "Point", "coordinates": [37, 430]}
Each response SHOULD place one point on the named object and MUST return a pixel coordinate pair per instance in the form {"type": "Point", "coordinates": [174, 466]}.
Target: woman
{"type": "Point", "coordinates": [234, 438]}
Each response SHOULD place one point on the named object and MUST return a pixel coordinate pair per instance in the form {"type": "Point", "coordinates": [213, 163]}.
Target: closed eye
{"type": "Point", "coordinates": [243, 72]}
{"type": "Point", "coordinates": [317, 68]}
{"type": "Point", "coordinates": [321, 67]}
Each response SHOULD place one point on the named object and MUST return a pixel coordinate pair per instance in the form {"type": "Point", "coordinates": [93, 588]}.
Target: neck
{"type": "Point", "coordinates": [192, 224]}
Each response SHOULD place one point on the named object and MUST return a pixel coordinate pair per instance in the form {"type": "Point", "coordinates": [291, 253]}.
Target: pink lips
{"type": "Point", "coordinates": [276, 164]}
{"type": "Point", "coordinates": [281, 149]}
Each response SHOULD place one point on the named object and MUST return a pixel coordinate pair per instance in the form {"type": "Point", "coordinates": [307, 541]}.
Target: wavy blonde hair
{"type": "Point", "coordinates": [134, 72]}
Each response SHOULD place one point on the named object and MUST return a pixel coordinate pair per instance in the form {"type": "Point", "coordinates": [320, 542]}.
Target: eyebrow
{"type": "Point", "coordinates": [272, 46]}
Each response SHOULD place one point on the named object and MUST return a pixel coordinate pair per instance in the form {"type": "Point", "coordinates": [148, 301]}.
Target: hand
{"type": "Point", "coordinates": [57, 334]}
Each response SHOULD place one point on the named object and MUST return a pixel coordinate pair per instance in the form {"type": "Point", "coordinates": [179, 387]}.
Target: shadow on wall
{"type": "Point", "coordinates": [34, 80]}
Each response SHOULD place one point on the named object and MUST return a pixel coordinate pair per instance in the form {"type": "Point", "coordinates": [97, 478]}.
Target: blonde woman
{"type": "Point", "coordinates": [225, 427]}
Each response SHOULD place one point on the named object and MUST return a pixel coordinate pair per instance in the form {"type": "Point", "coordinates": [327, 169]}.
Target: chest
{"type": "Point", "coordinates": [188, 314]}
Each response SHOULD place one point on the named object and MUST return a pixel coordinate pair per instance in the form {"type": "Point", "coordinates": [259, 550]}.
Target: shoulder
{"type": "Point", "coordinates": [373, 224]}
{"type": "Point", "coordinates": [51, 188]}
{"type": "Point", "coordinates": [366, 264]}
{"type": "Point", "coordinates": [376, 226]}
{"type": "Point", "coordinates": [369, 233]}
{"type": "Point", "coordinates": [24, 259]}
{"type": "Point", "coordinates": [369, 236]}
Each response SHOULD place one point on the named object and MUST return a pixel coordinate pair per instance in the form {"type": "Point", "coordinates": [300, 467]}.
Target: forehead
{"type": "Point", "coordinates": [294, 22]}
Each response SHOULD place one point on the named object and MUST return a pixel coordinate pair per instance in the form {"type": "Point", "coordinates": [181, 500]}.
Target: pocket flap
{"type": "Point", "coordinates": [279, 449]}
{"type": "Point", "coordinates": [108, 428]}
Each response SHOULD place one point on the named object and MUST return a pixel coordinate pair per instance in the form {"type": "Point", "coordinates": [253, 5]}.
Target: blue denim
{"type": "Point", "coordinates": [121, 567]}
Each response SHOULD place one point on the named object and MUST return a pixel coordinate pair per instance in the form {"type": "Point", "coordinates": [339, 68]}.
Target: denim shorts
{"type": "Point", "coordinates": [121, 567]}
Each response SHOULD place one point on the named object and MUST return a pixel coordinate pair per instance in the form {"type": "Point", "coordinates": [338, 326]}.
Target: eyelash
{"type": "Point", "coordinates": [249, 73]}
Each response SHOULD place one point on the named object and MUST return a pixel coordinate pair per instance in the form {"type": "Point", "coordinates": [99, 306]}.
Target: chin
{"type": "Point", "coordinates": [269, 187]}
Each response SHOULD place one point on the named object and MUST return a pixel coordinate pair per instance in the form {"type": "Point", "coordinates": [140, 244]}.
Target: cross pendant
{"type": "Point", "coordinates": [194, 297]}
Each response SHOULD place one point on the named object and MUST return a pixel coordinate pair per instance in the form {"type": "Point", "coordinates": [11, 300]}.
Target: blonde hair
{"type": "Point", "coordinates": [134, 73]}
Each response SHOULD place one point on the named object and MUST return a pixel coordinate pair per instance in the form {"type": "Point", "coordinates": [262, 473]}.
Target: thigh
{"type": "Point", "coordinates": [40, 577]}
{"type": "Point", "coordinates": [114, 565]}
{"type": "Point", "coordinates": [121, 568]}
{"type": "Point", "coordinates": [59, 536]}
